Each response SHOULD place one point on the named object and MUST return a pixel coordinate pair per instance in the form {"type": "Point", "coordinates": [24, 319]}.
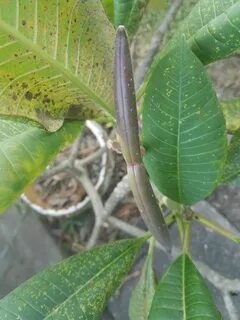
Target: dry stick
{"type": "Point", "coordinates": [92, 157]}
{"type": "Point", "coordinates": [101, 212]}
{"type": "Point", "coordinates": [120, 192]}
{"type": "Point", "coordinates": [156, 42]}
{"type": "Point", "coordinates": [98, 208]}
{"type": "Point", "coordinates": [128, 135]}
{"type": "Point", "coordinates": [71, 162]}
{"type": "Point", "coordinates": [233, 313]}
{"type": "Point", "coordinates": [66, 163]}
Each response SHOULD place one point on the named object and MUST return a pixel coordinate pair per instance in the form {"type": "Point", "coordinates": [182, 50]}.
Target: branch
{"type": "Point", "coordinates": [98, 208]}
{"type": "Point", "coordinates": [233, 313]}
{"type": "Point", "coordinates": [120, 192]}
{"type": "Point", "coordinates": [156, 42]}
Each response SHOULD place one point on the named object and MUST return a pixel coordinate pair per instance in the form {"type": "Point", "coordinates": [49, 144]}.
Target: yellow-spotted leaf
{"type": "Point", "coordinates": [183, 128]}
{"type": "Point", "coordinates": [212, 29]}
{"type": "Point", "coordinates": [25, 151]}
{"type": "Point", "coordinates": [56, 60]}
{"type": "Point", "coordinates": [231, 110]}
{"type": "Point", "coordinates": [77, 288]}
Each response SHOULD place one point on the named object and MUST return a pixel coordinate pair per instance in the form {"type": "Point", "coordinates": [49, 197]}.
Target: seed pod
{"type": "Point", "coordinates": [127, 123]}
{"type": "Point", "coordinates": [128, 135]}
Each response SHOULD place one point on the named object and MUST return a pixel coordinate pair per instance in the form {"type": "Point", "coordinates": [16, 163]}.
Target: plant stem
{"type": "Point", "coordinates": [154, 47]}
{"type": "Point", "coordinates": [152, 243]}
{"type": "Point", "coordinates": [217, 228]}
{"type": "Point", "coordinates": [187, 235]}
{"type": "Point", "coordinates": [169, 219]}
{"type": "Point", "coordinates": [180, 227]}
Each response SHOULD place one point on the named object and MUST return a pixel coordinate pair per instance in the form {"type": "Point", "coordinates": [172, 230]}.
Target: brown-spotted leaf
{"type": "Point", "coordinates": [55, 60]}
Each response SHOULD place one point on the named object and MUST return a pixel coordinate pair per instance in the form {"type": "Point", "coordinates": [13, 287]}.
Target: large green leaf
{"type": "Point", "coordinates": [232, 168]}
{"type": "Point", "coordinates": [142, 295]}
{"type": "Point", "coordinates": [183, 128]}
{"type": "Point", "coordinates": [212, 29]}
{"type": "Point", "coordinates": [76, 288]}
{"type": "Point", "coordinates": [129, 13]}
{"type": "Point", "coordinates": [231, 110]}
{"type": "Point", "coordinates": [183, 295]}
{"type": "Point", "coordinates": [25, 151]}
{"type": "Point", "coordinates": [56, 60]}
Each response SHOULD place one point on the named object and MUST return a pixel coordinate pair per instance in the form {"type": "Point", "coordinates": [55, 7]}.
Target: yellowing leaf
{"type": "Point", "coordinates": [25, 151]}
{"type": "Point", "coordinates": [56, 60]}
{"type": "Point", "coordinates": [231, 110]}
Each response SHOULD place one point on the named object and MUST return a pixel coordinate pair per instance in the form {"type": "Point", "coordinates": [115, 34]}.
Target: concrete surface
{"type": "Point", "coordinates": [26, 248]}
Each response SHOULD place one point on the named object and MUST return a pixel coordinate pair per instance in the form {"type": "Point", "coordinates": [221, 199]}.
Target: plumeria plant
{"type": "Point", "coordinates": [61, 63]}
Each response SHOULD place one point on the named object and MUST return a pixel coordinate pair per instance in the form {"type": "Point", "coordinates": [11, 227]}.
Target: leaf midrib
{"type": "Point", "coordinates": [54, 63]}
{"type": "Point", "coordinates": [90, 280]}
{"type": "Point", "coordinates": [179, 124]}
{"type": "Point", "coordinates": [183, 286]}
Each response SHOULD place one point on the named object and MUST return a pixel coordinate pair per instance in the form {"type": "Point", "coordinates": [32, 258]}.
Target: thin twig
{"type": "Point", "coordinates": [74, 150]}
{"type": "Point", "coordinates": [98, 208]}
{"type": "Point", "coordinates": [120, 192]}
{"type": "Point", "coordinates": [71, 162]}
{"type": "Point", "coordinates": [216, 227]}
{"type": "Point", "coordinates": [233, 313]}
{"type": "Point", "coordinates": [91, 158]}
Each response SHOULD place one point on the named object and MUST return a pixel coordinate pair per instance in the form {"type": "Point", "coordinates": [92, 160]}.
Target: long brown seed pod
{"type": "Point", "coordinates": [128, 135]}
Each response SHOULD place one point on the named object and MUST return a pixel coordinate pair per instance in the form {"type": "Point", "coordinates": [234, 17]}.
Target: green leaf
{"type": "Point", "coordinates": [56, 60]}
{"type": "Point", "coordinates": [212, 29]}
{"type": "Point", "coordinates": [231, 110]}
{"type": "Point", "coordinates": [129, 13]}
{"type": "Point", "coordinates": [25, 151]}
{"type": "Point", "coordinates": [109, 9]}
{"type": "Point", "coordinates": [232, 167]}
{"type": "Point", "coordinates": [76, 288]}
{"type": "Point", "coordinates": [183, 295]}
{"type": "Point", "coordinates": [142, 295]}
{"type": "Point", "coordinates": [157, 6]}
{"type": "Point", "coordinates": [183, 128]}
